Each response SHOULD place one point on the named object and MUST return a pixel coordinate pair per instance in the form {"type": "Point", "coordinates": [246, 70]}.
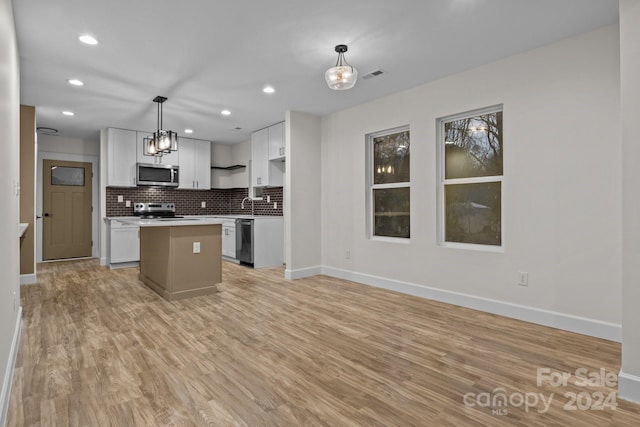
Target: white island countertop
{"type": "Point", "coordinates": [168, 222]}
{"type": "Point", "coordinates": [22, 228]}
{"type": "Point", "coordinates": [186, 220]}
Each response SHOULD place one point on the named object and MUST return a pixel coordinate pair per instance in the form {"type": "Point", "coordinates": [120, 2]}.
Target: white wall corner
{"type": "Point", "coordinates": [104, 261]}
{"type": "Point", "coordinates": [302, 272]}
{"type": "Point", "coordinates": [5, 392]}
{"type": "Point", "coordinates": [27, 279]}
{"type": "Point", "coordinates": [567, 322]}
{"type": "Point", "coordinates": [629, 387]}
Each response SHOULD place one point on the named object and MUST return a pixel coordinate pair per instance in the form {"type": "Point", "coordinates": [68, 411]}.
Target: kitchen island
{"type": "Point", "coordinates": [181, 258]}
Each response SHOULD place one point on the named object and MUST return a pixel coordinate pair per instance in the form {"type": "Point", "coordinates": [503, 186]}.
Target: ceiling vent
{"type": "Point", "coordinates": [372, 74]}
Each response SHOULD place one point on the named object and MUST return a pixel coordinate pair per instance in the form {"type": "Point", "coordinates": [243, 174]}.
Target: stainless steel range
{"type": "Point", "coordinates": [155, 210]}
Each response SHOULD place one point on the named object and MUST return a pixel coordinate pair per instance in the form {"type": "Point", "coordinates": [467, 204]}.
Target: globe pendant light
{"type": "Point", "coordinates": [163, 141]}
{"type": "Point", "coordinates": [343, 76]}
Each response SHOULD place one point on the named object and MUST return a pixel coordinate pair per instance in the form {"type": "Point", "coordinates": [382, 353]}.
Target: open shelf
{"type": "Point", "coordinates": [228, 168]}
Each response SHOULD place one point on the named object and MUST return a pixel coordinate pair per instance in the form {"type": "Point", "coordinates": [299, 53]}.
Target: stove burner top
{"type": "Point", "coordinates": [155, 210]}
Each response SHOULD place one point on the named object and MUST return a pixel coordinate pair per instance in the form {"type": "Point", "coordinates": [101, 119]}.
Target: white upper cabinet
{"type": "Point", "coordinates": [263, 171]}
{"type": "Point", "coordinates": [171, 158]}
{"type": "Point", "coordinates": [195, 164]}
{"type": "Point", "coordinates": [259, 158]}
{"type": "Point", "coordinates": [276, 141]}
{"type": "Point", "coordinates": [121, 157]}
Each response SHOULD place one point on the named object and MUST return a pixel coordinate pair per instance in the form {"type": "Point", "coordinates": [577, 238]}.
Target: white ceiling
{"type": "Point", "coordinates": [210, 55]}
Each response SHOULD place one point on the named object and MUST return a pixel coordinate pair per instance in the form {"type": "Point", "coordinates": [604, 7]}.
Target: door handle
{"type": "Point", "coordinates": [38, 217]}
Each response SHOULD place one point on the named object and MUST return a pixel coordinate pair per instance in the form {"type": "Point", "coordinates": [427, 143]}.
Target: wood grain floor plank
{"type": "Point", "coordinates": [99, 348]}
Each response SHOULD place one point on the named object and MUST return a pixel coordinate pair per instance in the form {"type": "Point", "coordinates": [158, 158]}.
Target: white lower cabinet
{"type": "Point", "coordinates": [229, 239]}
{"type": "Point", "coordinates": [124, 244]}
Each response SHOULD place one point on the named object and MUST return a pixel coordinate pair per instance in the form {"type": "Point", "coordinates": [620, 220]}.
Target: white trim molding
{"type": "Point", "coordinates": [27, 279]}
{"type": "Point", "coordinates": [302, 272]}
{"type": "Point", "coordinates": [628, 387]}
{"type": "Point", "coordinates": [5, 392]}
{"type": "Point", "coordinates": [567, 322]}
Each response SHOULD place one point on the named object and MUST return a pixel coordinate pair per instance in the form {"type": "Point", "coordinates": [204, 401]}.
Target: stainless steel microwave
{"type": "Point", "coordinates": [157, 175]}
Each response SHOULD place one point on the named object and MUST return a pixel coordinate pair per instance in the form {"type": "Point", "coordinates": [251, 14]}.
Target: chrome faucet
{"type": "Point", "coordinates": [242, 204]}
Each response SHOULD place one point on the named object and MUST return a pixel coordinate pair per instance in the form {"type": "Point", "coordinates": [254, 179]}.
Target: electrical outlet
{"type": "Point", "coordinates": [196, 247]}
{"type": "Point", "coordinates": [275, 205]}
{"type": "Point", "coordinates": [120, 199]}
{"type": "Point", "coordinates": [268, 199]}
{"type": "Point", "coordinates": [523, 278]}
{"type": "Point", "coordinates": [203, 204]}
{"type": "Point", "coordinates": [347, 254]}
{"type": "Point", "coordinates": [128, 203]}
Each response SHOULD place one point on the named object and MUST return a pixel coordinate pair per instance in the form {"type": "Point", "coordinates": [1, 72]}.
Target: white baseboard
{"type": "Point", "coordinates": [629, 387]}
{"type": "Point", "coordinates": [124, 265]}
{"type": "Point", "coordinates": [567, 322]}
{"type": "Point", "coordinates": [302, 272]}
{"type": "Point", "coordinates": [5, 393]}
{"type": "Point", "coordinates": [27, 279]}
{"type": "Point", "coordinates": [104, 261]}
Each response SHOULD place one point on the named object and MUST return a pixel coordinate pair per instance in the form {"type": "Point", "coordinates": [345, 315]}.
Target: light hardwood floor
{"type": "Point", "coordinates": [98, 348]}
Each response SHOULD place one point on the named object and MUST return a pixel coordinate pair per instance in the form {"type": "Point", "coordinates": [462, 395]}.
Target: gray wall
{"type": "Point", "coordinates": [9, 214]}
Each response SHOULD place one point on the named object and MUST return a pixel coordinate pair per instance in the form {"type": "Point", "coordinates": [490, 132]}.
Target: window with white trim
{"type": "Point", "coordinates": [471, 177]}
{"type": "Point", "coordinates": [388, 178]}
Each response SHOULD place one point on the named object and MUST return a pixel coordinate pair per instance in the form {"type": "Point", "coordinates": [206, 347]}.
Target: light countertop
{"type": "Point", "coordinates": [187, 220]}
{"type": "Point", "coordinates": [168, 222]}
{"type": "Point", "coordinates": [23, 228]}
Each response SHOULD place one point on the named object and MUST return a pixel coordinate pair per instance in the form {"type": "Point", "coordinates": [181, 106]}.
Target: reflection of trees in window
{"type": "Point", "coordinates": [391, 158]}
{"type": "Point", "coordinates": [389, 178]}
{"type": "Point", "coordinates": [472, 147]}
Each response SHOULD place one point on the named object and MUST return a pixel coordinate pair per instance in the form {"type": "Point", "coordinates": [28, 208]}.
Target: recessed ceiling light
{"type": "Point", "coordinates": [87, 39]}
{"type": "Point", "coordinates": [268, 89]}
{"type": "Point", "coordinates": [68, 113]}
{"type": "Point", "coordinates": [188, 131]}
{"type": "Point", "coordinates": [75, 82]}
{"type": "Point", "coordinates": [225, 112]}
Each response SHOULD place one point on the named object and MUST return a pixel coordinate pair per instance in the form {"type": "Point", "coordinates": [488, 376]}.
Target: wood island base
{"type": "Point", "coordinates": [170, 264]}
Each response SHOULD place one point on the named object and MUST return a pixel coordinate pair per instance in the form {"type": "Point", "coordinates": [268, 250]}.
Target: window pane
{"type": "Point", "coordinates": [391, 158]}
{"type": "Point", "coordinates": [63, 175]}
{"type": "Point", "coordinates": [473, 146]}
{"type": "Point", "coordinates": [391, 212]}
{"type": "Point", "coordinates": [473, 213]}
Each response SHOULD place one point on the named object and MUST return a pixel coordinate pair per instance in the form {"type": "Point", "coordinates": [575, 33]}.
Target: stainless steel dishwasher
{"type": "Point", "coordinates": [244, 241]}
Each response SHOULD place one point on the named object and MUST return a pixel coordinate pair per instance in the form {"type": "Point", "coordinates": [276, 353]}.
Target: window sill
{"type": "Point", "coordinates": [471, 247]}
{"type": "Point", "coordinates": [401, 240]}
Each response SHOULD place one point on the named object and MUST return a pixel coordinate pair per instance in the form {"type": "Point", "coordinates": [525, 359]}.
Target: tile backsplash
{"type": "Point", "coordinates": [189, 202]}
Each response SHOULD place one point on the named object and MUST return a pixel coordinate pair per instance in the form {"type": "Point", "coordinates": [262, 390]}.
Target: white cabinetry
{"type": "Point", "coordinates": [263, 171]}
{"type": "Point", "coordinates": [268, 242]}
{"type": "Point", "coordinates": [121, 157]}
{"type": "Point", "coordinates": [195, 164]}
{"type": "Point", "coordinates": [276, 141]}
{"type": "Point", "coordinates": [166, 159]}
{"type": "Point", "coordinates": [124, 244]}
{"type": "Point", "coordinates": [229, 239]}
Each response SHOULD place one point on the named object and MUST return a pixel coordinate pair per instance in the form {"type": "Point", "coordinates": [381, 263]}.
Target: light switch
{"type": "Point", "coordinates": [275, 205]}
{"type": "Point", "coordinates": [196, 247]}
{"type": "Point", "coordinates": [127, 203]}
{"type": "Point", "coordinates": [120, 199]}
{"type": "Point", "coordinates": [203, 204]}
